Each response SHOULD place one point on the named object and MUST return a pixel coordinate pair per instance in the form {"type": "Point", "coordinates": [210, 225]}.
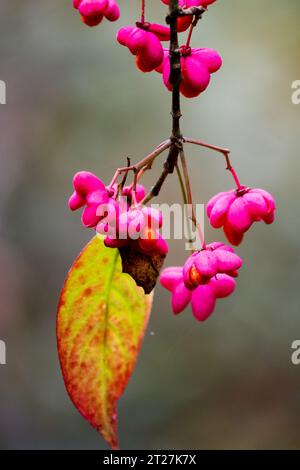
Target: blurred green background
{"type": "Point", "coordinates": [76, 101]}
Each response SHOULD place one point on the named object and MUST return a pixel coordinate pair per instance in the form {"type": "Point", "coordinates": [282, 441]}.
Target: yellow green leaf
{"type": "Point", "coordinates": [101, 321]}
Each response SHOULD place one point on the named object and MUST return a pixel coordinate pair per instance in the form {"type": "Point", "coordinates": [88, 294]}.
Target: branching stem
{"type": "Point", "coordinates": [223, 151]}
{"type": "Point", "coordinates": [144, 164]}
{"type": "Point", "coordinates": [175, 143]}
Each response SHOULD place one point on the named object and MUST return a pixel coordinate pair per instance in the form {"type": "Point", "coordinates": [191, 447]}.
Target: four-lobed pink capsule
{"type": "Point", "coordinates": [197, 66]}
{"type": "Point", "coordinates": [206, 276]}
{"type": "Point", "coordinates": [235, 211]}
{"type": "Point", "coordinates": [92, 12]}
{"type": "Point", "coordinates": [202, 298]}
{"type": "Point", "coordinates": [144, 43]}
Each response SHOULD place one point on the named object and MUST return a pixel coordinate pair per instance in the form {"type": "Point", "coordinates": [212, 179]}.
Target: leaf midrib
{"type": "Point", "coordinates": [104, 343]}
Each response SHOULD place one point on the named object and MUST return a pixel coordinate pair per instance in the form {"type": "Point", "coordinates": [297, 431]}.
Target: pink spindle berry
{"type": "Point", "coordinates": [237, 210]}
{"type": "Point", "coordinates": [215, 259]}
{"type": "Point", "coordinates": [140, 192]}
{"type": "Point", "coordinates": [135, 226]}
{"type": "Point", "coordinates": [91, 192]}
{"type": "Point", "coordinates": [119, 221]}
{"type": "Point", "coordinates": [202, 298]}
{"type": "Point", "coordinates": [93, 11]}
{"type": "Point", "coordinates": [127, 192]}
{"type": "Point", "coordinates": [197, 65]}
{"type": "Point", "coordinates": [144, 44]}
{"type": "Point", "coordinates": [112, 12]}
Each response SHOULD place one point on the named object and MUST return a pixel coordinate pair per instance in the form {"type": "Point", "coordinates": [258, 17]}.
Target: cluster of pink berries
{"type": "Point", "coordinates": [120, 218]}
{"type": "Point", "coordinates": [144, 42]}
{"type": "Point", "coordinates": [92, 12]}
{"type": "Point", "coordinates": [197, 65]}
{"type": "Point", "coordinates": [209, 274]}
{"type": "Point", "coordinates": [117, 212]}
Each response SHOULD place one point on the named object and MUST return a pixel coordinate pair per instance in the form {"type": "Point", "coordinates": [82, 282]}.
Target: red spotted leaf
{"type": "Point", "coordinates": [101, 321]}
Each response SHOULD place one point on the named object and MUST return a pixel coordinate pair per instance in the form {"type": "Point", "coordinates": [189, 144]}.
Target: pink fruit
{"type": "Point", "coordinates": [202, 298]}
{"type": "Point", "coordinates": [197, 65]}
{"type": "Point", "coordinates": [93, 11]}
{"type": "Point", "coordinates": [140, 192]}
{"type": "Point", "coordinates": [237, 210]}
{"type": "Point", "coordinates": [215, 259]}
{"type": "Point", "coordinates": [91, 192]}
{"type": "Point", "coordinates": [112, 12]}
{"type": "Point", "coordinates": [138, 227]}
{"type": "Point", "coordinates": [144, 44]}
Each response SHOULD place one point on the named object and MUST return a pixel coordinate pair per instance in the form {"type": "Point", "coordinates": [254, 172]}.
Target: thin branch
{"type": "Point", "coordinates": [192, 11]}
{"type": "Point", "coordinates": [175, 69]}
{"type": "Point", "coordinates": [173, 158]}
{"type": "Point", "coordinates": [155, 190]}
{"type": "Point", "coordinates": [188, 41]}
{"type": "Point", "coordinates": [143, 11]}
{"type": "Point", "coordinates": [185, 201]}
{"type": "Point", "coordinates": [223, 151]}
{"type": "Point", "coordinates": [190, 198]}
{"type": "Point", "coordinates": [181, 185]}
{"type": "Point", "coordinates": [144, 163]}
{"type": "Point", "coordinates": [197, 17]}
{"type": "Point", "coordinates": [134, 184]}
{"type": "Point", "coordinates": [123, 182]}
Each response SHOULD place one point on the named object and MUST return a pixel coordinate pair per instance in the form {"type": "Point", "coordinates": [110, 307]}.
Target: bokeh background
{"type": "Point", "coordinates": [75, 101]}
